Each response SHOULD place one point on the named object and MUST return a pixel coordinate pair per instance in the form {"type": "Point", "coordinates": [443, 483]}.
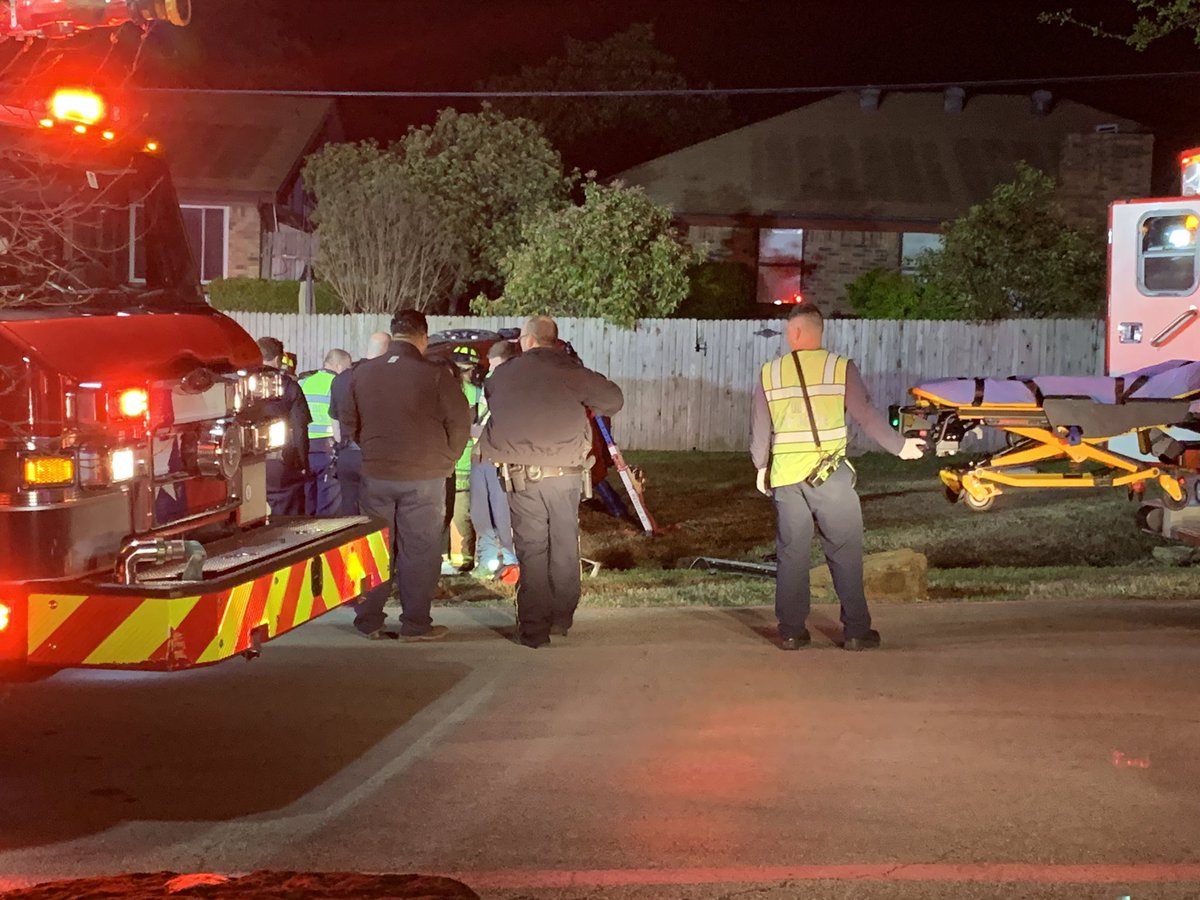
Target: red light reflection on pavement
{"type": "Point", "coordinates": [1121, 761]}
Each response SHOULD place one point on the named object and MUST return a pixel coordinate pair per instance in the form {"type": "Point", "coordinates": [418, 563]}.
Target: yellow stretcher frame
{"type": "Point", "coordinates": [984, 480]}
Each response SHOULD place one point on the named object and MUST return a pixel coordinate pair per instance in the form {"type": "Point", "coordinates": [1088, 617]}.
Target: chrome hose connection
{"type": "Point", "coordinates": [137, 552]}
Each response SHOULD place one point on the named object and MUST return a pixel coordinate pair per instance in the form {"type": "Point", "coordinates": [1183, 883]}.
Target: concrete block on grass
{"type": "Point", "coordinates": [894, 576]}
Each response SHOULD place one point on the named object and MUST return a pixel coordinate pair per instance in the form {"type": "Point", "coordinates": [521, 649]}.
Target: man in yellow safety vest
{"type": "Point", "coordinates": [322, 496]}
{"type": "Point", "coordinates": [798, 440]}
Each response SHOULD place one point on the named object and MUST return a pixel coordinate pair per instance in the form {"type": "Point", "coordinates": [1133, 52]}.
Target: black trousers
{"type": "Point", "coordinates": [349, 475]}
{"type": "Point", "coordinates": [545, 518]}
{"type": "Point", "coordinates": [413, 510]}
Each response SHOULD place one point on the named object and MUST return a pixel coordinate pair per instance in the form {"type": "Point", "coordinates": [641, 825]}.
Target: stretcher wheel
{"type": "Point", "coordinates": [1171, 503]}
{"type": "Point", "coordinates": [978, 505]}
{"type": "Point", "coordinates": [951, 495]}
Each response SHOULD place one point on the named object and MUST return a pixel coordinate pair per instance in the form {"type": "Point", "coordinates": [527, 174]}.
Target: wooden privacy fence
{"type": "Point", "coordinates": [688, 383]}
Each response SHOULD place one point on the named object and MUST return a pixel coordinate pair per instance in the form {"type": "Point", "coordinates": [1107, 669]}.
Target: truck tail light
{"type": "Point", "coordinates": [277, 434]}
{"type": "Point", "coordinates": [49, 471]}
{"type": "Point", "coordinates": [122, 465]}
{"type": "Point", "coordinates": [133, 403]}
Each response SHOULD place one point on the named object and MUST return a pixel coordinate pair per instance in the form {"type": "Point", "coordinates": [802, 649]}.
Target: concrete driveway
{"type": "Point", "coordinates": [1043, 749]}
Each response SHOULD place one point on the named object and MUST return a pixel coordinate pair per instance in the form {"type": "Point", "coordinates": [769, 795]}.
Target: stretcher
{"type": "Point", "coordinates": [1047, 420]}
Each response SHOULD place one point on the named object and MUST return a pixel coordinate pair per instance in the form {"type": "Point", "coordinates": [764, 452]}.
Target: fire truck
{"type": "Point", "coordinates": [135, 421]}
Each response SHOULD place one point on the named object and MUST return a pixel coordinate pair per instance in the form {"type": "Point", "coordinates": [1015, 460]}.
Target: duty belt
{"type": "Point", "coordinates": [537, 473]}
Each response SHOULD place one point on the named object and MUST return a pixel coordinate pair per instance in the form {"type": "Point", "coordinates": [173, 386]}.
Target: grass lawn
{"type": "Point", "coordinates": [1077, 542]}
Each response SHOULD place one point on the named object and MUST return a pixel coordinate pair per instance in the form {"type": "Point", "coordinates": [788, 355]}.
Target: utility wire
{"type": "Point", "coordinates": [679, 92]}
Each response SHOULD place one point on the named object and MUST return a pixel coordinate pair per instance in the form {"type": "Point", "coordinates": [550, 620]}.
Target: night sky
{"type": "Point", "coordinates": [453, 44]}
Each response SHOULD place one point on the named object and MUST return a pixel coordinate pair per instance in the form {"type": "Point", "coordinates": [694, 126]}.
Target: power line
{"type": "Point", "coordinates": [677, 92]}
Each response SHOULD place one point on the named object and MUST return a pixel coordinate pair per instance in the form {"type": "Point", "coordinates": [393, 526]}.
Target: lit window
{"type": "Point", "coordinates": [913, 244]}
{"type": "Point", "coordinates": [780, 264]}
{"type": "Point", "coordinates": [1167, 262]}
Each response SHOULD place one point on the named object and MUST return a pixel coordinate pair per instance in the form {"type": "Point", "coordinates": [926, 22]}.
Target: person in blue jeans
{"type": "Point", "coordinates": [490, 516]}
{"type": "Point", "coordinates": [411, 420]}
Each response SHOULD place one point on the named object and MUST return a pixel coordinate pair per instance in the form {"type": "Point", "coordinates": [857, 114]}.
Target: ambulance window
{"type": "Point", "coordinates": [1168, 257]}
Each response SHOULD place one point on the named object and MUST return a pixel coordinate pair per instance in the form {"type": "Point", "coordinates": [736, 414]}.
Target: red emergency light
{"type": "Point", "coordinates": [793, 300]}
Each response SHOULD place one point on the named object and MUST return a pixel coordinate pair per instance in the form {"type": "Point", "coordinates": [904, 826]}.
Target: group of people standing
{"type": "Point", "coordinates": [512, 448]}
{"type": "Point", "coordinates": [400, 428]}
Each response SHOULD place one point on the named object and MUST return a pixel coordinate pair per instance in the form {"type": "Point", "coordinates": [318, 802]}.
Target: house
{"type": "Point", "coordinates": [817, 196]}
{"type": "Point", "coordinates": [236, 163]}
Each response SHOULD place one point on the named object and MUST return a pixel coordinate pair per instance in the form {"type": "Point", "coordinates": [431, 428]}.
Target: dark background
{"type": "Point", "coordinates": [454, 44]}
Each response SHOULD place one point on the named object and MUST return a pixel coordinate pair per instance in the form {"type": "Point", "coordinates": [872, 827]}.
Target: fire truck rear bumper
{"type": "Point", "coordinates": [261, 586]}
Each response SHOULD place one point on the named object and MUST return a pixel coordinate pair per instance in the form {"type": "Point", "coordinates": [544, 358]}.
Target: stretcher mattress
{"type": "Point", "coordinates": [1174, 380]}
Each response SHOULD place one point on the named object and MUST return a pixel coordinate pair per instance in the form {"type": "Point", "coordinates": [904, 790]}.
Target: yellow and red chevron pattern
{"type": "Point", "coordinates": [116, 630]}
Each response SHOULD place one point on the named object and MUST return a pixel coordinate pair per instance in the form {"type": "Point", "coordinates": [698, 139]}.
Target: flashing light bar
{"type": "Point", "coordinates": [78, 105]}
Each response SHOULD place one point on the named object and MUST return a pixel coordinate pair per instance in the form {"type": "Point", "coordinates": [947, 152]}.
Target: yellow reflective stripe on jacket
{"type": "Point", "coordinates": [794, 451]}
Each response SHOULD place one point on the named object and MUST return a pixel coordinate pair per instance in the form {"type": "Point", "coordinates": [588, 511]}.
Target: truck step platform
{"type": "Point", "coordinates": [229, 554]}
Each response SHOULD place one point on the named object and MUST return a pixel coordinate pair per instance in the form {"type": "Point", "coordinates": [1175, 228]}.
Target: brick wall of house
{"type": "Point", "coordinates": [837, 258]}
{"type": "Point", "coordinates": [245, 241]}
{"type": "Point", "coordinates": [1096, 169]}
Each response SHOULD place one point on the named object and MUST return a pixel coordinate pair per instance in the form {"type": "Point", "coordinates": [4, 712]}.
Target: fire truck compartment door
{"type": "Point", "coordinates": [1154, 283]}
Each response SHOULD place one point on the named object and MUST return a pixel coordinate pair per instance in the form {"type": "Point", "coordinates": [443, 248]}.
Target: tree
{"type": "Point", "coordinates": [1014, 255]}
{"type": "Point", "coordinates": [380, 244]}
{"type": "Point", "coordinates": [1154, 19]}
{"type": "Point", "coordinates": [617, 257]}
{"type": "Point", "coordinates": [628, 60]}
{"type": "Point", "coordinates": [483, 176]}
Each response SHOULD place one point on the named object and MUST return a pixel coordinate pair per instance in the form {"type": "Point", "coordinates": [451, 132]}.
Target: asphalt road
{"type": "Point", "coordinates": [1047, 749]}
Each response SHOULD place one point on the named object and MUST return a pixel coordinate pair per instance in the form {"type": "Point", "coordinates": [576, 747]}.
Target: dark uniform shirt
{"type": "Point", "coordinates": [408, 414]}
{"type": "Point", "coordinates": [538, 404]}
{"type": "Point", "coordinates": [339, 399]}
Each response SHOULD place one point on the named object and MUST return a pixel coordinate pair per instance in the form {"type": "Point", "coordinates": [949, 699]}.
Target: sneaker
{"type": "Point", "coordinates": [531, 642]}
{"type": "Point", "coordinates": [483, 573]}
{"type": "Point", "coordinates": [449, 568]}
{"type": "Point", "coordinates": [560, 630]}
{"type": "Point", "coordinates": [435, 633]}
{"type": "Point", "coordinates": [868, 641]}
{"type": "Point", "coordinates": [382, 634]}
{"type": "Point", "coordinates": [795, 643]}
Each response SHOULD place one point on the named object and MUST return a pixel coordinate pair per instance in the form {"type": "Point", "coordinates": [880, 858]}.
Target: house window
{"type": "Point", "coordinates": [715, 240]}
{"type": "Point", "coordinates": [1167, 263]}
{"type": "Point", "coordinates": [207, 230]}
{"type": "Point", "coordinates": [780, 264]}
{"type": "Point", "coordinates": [913, 244]}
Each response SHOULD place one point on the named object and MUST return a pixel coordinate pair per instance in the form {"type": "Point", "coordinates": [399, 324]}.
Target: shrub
{"type": "Point", "coordinates": [720, 289]}
{"type": "Point", "coordinates": [259, 295]}
{"type": "Point", "coordinates": [884, 294]}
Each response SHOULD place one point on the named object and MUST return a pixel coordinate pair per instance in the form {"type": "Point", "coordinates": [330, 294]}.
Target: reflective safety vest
{"type": "Point", "coordinates": [462, 468]}
{"type": "Point", "coordinates": [794, 453]}
{"type": "Point", "coordinates": [316, 390]}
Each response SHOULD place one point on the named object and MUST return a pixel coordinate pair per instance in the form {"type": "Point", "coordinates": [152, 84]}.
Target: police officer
{"type": "Point", "coordinates": [412, 421]}
{"type": "Point", "coordinates": [322, 492]}
{"type": "Point", "coordinates": [539, 434]}
{"type": "Point", "coordinates": [798, 439]}
{"type": "Point", "coordinates": [287, 472]}
{"type": "Point", "coordinates": [349, 454]}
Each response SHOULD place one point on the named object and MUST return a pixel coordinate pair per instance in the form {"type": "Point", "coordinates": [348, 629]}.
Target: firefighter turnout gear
{"type": "Point", "coordinates": [806, 399]}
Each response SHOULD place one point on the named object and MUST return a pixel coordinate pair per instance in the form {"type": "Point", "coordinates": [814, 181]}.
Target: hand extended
{"type": "Point", "coordinates": [761, 483]}
{"type": "Point", "coordinates": [914, 448]}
